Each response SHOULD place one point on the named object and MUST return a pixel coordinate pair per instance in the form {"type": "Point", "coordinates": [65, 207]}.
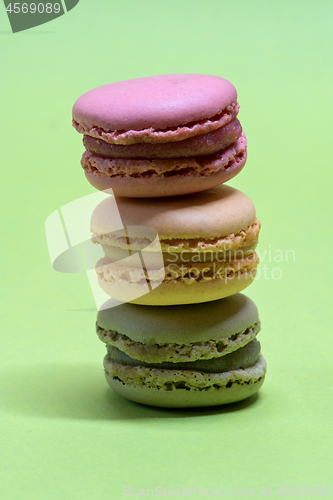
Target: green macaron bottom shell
{"type": "Point", "coordinates": [242, 358]}
{"type": "Point", "coordinates": [183, 388]}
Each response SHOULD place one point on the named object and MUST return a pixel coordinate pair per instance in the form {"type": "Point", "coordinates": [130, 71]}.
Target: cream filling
{"type": "Point", "coordinates": [153, 260]}
{"type": "Point", "coordinates": [242, 358]}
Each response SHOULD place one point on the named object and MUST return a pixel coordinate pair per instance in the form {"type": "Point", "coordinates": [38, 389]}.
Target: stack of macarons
{"type": "Point", "coordinates": [165, 145]}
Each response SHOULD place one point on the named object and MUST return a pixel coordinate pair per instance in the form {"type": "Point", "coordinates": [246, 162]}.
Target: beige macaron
{"type": "Point", "coordinates": [204, 250]}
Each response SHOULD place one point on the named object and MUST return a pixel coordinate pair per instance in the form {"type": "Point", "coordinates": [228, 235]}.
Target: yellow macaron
{"type": "Point", "coordinates": [205, 248]}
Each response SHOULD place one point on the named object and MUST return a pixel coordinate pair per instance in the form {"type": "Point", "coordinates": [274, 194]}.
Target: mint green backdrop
{"type": "Point", "coordinates": [64, 434]}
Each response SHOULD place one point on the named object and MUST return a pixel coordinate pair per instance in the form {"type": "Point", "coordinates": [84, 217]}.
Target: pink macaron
{"type": "Point", "coordinates": [161, 135]}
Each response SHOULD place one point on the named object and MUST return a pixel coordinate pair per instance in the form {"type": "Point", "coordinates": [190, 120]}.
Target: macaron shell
{"type": "Point", "coordinates": [176, 185]}
{"type": "Point", "coordinates": [167, 294]}
{"type": "Point", "coordinates": [181, 324]}
{"type": "Point", "coordinates": [167, 388]}
{"type": "Point", "coordinates": [158, 101]}
{"type": "Point", "coordinates": [207, 214]}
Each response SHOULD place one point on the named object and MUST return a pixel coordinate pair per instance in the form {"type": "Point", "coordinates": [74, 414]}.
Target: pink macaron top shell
{"type": "Point", "coordinates": [157, 102]}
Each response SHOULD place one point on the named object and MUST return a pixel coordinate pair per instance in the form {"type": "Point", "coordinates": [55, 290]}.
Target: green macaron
{"type": "Point", "coordinates": [183, 356]}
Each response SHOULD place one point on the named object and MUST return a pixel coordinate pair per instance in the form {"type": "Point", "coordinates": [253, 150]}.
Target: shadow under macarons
{"type": "Point", "coordinates": [79, 391]}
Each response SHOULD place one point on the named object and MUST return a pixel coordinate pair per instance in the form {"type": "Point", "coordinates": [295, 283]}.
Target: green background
{"type": "Point", "coordinates": [64, 434]}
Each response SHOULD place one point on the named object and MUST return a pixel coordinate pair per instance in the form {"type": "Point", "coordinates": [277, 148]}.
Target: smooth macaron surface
{"type": "Point", "coordinates": [157, 101]}
{"type": "Point", "coordinates": [208, 214]}
{"type": "Point", "coordinates": [181, 324]}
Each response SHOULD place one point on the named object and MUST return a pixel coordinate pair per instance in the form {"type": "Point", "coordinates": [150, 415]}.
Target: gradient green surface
{"type": "Point", "coordinates": [64, 433]}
